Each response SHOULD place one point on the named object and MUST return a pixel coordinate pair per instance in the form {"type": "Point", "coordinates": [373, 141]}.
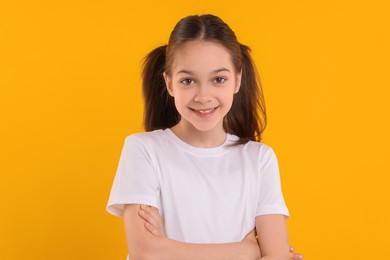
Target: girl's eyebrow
{"type": "Point", "coordinates": [193, 73]}
{"type": "Point", "coordinates": [221, 69]}
{"type": "Point", "coordinates": [185, 72]}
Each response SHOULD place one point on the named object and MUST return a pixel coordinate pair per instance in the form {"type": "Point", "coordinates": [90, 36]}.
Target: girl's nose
{"type": "Point", "coordinates": [203, 94]}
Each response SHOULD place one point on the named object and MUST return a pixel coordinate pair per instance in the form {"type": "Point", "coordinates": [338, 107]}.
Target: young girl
{"type": "Point", "coordinates": [201, 164]}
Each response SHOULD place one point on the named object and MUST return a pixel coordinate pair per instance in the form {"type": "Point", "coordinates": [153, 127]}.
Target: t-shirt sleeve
{"type": "Point", "coordinates": [135, 181]}
{"type": "Point", "coordinates": [271, 200]}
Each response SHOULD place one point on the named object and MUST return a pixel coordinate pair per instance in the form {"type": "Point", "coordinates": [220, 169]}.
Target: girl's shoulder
{"type": "Point", "coordinates": [144, 138]}
{"type": "Point", "coordinates": [258, 150]}
{"type": "Point", "coordinates": [145, 135]}
{"type": "Point", "coordinates": [257, 146]}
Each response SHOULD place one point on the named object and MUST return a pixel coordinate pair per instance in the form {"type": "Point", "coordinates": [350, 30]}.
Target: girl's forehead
{"type": "Point", "coordinates": [201, 56]}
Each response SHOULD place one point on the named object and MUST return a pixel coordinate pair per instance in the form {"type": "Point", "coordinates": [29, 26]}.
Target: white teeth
{"type": "Point", "coordinates": [205, 111]}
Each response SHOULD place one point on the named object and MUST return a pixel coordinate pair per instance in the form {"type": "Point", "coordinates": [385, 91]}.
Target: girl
{"type": "Point", "coordinates": [201, 163]}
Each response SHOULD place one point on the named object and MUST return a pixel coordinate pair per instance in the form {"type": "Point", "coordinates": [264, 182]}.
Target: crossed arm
{"type": "Point", "coordinates": [146, 239]}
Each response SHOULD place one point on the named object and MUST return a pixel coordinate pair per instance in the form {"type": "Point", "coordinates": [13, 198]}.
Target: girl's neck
{"type": "Point", "coordinates": [200, 139]}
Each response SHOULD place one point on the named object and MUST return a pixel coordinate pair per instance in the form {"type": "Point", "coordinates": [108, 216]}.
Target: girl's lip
{"type": "Point", "coordinates": [204, 112]}
{"type": "Point", "coordinates": [204, 109]}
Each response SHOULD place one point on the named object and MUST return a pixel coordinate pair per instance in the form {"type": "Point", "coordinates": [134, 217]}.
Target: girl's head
{"type": "Point", "coordinates": [170, 69]}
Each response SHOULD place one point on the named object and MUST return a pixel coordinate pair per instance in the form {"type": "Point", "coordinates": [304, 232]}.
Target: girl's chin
{"type": "Point", "coordinates": [209, 127]}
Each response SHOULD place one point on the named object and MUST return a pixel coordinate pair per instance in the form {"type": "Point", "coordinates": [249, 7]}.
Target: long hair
{"type": "Point", "coordinates": [247, 116]}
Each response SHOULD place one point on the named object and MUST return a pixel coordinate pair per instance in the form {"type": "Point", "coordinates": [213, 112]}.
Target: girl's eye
{"type": "Point", "coordinates": [187, 81]}
{"type": "Point", "coordinates": [219, 80]}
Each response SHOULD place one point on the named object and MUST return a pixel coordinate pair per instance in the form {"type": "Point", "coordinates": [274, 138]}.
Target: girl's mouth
{"type": "Point", "coordinates": [204, 112]}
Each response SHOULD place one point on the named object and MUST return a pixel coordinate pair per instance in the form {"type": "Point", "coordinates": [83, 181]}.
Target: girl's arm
{"type": "Point", "coordinates": [272, 233]}
{"type": "Point", "coordinates": [142, 244]}
{"type": "Point", "coordinates": [154, 223]}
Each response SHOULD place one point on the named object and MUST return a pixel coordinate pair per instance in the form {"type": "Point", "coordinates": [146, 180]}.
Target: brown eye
{"type": "Point", "coordinates": [187, 81]}
{"type": "Point", "coordinates": [219, 80]}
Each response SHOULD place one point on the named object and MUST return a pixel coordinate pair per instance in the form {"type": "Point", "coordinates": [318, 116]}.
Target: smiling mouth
{"type": "Point", "coordinates": [204, 112]}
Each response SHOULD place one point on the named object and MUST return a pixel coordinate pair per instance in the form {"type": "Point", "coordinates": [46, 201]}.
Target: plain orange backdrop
{"type": "Point", "coordinates": [70, 94]}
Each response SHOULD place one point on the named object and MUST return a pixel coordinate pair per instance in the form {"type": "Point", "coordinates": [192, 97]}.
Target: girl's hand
{"type": "Point", "coordinates": [154, 223]}
{"type": "Point", "coordinates": [294, 255]}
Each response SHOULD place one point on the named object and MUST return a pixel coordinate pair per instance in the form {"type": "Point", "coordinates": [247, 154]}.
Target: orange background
{"type": "Point", "coordinates": [70, 93]}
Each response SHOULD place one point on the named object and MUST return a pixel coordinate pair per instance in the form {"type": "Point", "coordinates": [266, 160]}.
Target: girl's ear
{"type": "Point", "coordinates": [238, 82]}
{"type": "Point", "coordinates": [168, 83]}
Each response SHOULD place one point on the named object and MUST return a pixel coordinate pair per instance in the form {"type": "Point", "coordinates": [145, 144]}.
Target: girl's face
{"type": "Point", "coordinates": [203, 82]}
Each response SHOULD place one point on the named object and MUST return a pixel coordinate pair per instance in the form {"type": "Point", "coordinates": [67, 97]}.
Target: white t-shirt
{"type": "Point", "coordinates": [205, 195]}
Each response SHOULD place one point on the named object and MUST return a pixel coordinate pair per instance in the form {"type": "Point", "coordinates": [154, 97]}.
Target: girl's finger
{"type": "Point", "coordinates": [148, 218]}
{"type": "Point", "coordinates": [154, 220]}
{"type": "Point", "coordinates": [151, 229]}
{"type": "Point", "coordinates": [296, 256]}
{"type": "Point", "coordinates": [155, 216]}
{"type": "Point", "coordinates": [152, 212]}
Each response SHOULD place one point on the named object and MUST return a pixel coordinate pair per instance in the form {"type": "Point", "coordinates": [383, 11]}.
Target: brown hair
{"type": "Point", "coordinates": [247, 116]}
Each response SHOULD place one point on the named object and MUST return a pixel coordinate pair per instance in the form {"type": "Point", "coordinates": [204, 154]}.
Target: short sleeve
{"type": "Point", "coordinates": [135, 181]}
{"type": "Point", "coordinates": [271, 200]}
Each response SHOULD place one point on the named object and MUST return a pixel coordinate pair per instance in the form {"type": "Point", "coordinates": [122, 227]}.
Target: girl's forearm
{"type": "Point", "coordinates": [158, 246]}
{"type": "Point", "coordinates": [164, 248]}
